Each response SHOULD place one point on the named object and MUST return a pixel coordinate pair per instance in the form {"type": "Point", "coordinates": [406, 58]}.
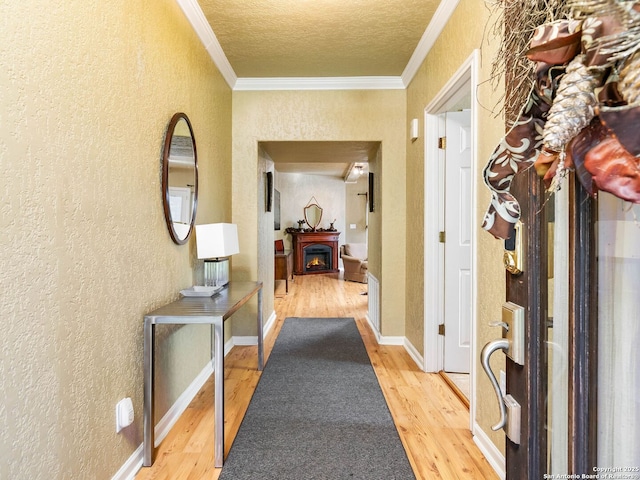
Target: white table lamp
{"type": "Point", "coordinates": [215, 242]}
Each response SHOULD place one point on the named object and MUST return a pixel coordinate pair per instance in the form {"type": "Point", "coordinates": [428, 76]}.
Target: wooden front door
{"type": "Point", "coordinates": [558, 294]}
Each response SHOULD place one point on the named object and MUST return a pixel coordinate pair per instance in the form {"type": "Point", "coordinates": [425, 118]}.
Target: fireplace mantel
{"type": "Point", "coordinates": [301, 240]}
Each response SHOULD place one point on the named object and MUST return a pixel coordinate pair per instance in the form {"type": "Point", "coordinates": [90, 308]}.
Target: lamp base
{"type": "Point", "coordinates": [216, 272]}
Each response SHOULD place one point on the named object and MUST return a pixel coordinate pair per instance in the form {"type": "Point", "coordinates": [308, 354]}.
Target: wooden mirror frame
{"type": "Point", "coordinates": [166, 201]}
{"type": "Point", "coordinates": [306, 217]}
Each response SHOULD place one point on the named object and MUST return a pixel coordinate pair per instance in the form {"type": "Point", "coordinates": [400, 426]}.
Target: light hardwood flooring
{"type": "Point", "coordinates": [432, 421]}
{"type": "Point", "coordinates": [460, 383]}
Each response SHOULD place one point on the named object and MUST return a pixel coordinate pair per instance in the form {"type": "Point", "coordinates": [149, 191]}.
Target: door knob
{"type": "Point", "coordinates": [512, 343]}
{"type": "Point", "coordinates": [509, 407]}
{"type": "Point", "coordinates": [488, 350]}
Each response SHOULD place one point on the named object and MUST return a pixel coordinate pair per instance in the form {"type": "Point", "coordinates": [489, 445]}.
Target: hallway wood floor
{"type": "Point", "coordinates": [431, 419]}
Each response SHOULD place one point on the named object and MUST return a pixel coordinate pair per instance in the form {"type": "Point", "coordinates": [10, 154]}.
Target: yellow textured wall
{"type": "Point", "coordinates": [265, 249]}
{"type": "Point", "coordinates": [297, 189]}
{"type": "Point", "coordinates": [356, 209]}
{"type": "Point", "coordinates": [464, 32]}
{"type": "Point", "coordinates": [324, 115]}
{"type": "Point", "coordinates": [86, 92]}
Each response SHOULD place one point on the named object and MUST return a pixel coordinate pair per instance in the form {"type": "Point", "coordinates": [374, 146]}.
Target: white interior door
{"type": "Point", "coordinates": [457, 248]}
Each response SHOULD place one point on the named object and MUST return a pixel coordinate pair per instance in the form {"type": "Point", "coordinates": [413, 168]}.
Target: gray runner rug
{"type": "Point", "coordinates": [318, 412]}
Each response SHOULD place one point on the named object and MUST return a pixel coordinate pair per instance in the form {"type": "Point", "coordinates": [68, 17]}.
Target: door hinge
{"type": "Point", "coordinates": [442, 237]}
{"type": "Point", "coordinates": [442, 143]}
{"type": "Point", "coordinates": [441, 329]}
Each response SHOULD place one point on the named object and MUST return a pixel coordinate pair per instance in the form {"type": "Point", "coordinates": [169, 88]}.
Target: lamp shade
{"type": "Point", "coordinates": [215, 240]}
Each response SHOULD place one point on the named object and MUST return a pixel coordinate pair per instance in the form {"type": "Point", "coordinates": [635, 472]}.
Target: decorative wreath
{"type": "Point", "coordinates": [583, 112]}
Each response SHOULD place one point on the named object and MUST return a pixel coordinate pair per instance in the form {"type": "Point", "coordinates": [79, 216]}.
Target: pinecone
{"type": "Point", "coordinates": [629, 83]}
{"type": "Point", "coordinates": [573, 106]}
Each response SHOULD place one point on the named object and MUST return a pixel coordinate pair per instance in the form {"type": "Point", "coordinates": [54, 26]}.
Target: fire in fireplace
{"type": "Point", "coordinates": [317, 258]}
{"type": "Point", "coordinates": [316, 263]}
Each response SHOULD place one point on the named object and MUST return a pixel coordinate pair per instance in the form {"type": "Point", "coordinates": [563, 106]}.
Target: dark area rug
{"type": "Point", "coordinates": [318, 412]}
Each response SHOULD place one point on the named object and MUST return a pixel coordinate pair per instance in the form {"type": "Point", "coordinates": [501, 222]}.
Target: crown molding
{"type": "Point", "coordinates": [434, 29]}
{"type": "Point", "coordinates": [196, 17]}
{"type": "Point", "coordinates": [320, 83]}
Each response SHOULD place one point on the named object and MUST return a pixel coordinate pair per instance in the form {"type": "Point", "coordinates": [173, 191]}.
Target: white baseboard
{"type": "Point", "coordinates": [414, 354]}
{"type": "Point", "coordinates": [493, 455]}
{"type": "Point", "coordinates": [228, 346]}
{"type": "Point", "coordinates": [249, 340]}
{"type": "Point", "coordinates": [373, 328]}
{"type": "Point", "coordinates": [244, 341]}
{"type": "Point", "coordinates": [384, 340]}
{"type": "Point", "coordinates": [134, 462]}
{"type": "Point", "coordinates": [131, 467]}
{"type": "Point", "coordinates": [173, 414]}
{"type": "Point", "coordinates": [271, 321]}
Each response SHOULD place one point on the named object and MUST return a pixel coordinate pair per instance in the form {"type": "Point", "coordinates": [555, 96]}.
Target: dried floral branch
{"type": "Point", "coordinates": [515, 22]}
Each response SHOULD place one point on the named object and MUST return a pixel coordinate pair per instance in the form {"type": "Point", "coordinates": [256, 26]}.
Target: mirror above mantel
{"type": "Point", "coordinates": [313, 214]}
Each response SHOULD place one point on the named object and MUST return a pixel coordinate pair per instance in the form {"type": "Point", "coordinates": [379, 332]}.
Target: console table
{"type": "Point", "coordinates": [283, 267]}
{"type": "Point", "coordinates": [198, 310]}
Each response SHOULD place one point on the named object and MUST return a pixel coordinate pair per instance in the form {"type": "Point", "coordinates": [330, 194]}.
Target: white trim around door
{"type": "Point", "coordinates": [462, 84]}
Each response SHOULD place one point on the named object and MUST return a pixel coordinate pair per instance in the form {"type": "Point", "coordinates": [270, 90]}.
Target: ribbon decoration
{"type": "Point", "coordinates": [564, 125]}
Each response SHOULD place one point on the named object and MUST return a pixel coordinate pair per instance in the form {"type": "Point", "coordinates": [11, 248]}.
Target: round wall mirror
{"type": "Point", "coordinates": [313, 215]}
{"type": "Point", "coordinates": [179, 178]}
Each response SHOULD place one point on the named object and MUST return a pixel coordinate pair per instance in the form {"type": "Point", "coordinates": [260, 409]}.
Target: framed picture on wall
{"type": "Point", "coordinates": [371, 193]}
{"type": "Point", "coordinates": [276, 209]}
{"type": "Point", "coordinates": [268, 191]}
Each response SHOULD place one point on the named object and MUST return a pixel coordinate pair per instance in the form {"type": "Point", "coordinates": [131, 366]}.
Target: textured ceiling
{"type": "Point", "coordinates": [319, 158]}
{"type": "Point", "coordinates": [318, 38]}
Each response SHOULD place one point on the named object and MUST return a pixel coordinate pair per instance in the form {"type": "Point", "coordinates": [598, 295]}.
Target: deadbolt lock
{"type": "Point", "coordinates": [514, 250]}
{"type": "Point", "coordinates": [510, 262]}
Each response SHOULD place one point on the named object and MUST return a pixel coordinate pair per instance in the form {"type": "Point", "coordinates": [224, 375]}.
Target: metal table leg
{"type": "Point", "coordinates": [218, 434]}
{"type": "Point", "coordinates": [149, 434]}
{"type": "Point", "coordinates": [260, 333]}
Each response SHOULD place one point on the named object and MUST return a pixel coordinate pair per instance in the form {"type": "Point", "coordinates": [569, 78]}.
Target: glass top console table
{"type": "Point", "coordinates": [198, 310]}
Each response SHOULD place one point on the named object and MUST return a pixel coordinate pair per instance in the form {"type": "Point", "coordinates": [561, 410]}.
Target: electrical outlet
{"type": "Point", "coordinates": [503, 382]}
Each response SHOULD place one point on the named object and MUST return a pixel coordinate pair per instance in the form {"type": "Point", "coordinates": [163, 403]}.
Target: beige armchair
{"type": "Point", "coordinates": [354, 257]}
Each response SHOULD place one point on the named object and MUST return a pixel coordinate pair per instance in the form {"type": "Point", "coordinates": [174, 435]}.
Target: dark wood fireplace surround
{"type": "Point", "coordinates": [301, 240]}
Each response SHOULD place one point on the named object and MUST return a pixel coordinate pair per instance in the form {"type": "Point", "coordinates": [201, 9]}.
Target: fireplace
{"type": "Point", "coordinates": [317, 258]}
{"type": "Point", "coordinates": [315, 252]}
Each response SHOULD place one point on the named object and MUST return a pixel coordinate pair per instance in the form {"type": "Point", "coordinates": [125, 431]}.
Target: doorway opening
{"type": "Point", "coordinates": [332, 173]}
{"type": "Point", "coordinates": [455, 127]}
{"type": "Point", "coordinates": [450, 233]}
